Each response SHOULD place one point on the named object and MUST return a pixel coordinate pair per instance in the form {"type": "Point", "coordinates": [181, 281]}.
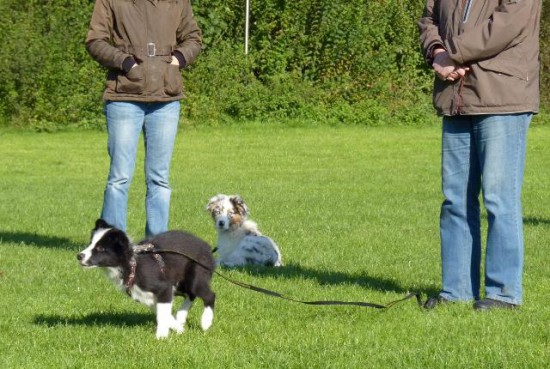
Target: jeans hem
{"type": "Point", "coordinates": [448, 297]}
{"type": "Point", "coordinates": [504, 299]}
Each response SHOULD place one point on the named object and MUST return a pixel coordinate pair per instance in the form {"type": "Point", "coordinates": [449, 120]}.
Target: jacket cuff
{"type": "Point", "coordinates": [127, 64]}
{"type": "Point", "coordinates": [181, 59]}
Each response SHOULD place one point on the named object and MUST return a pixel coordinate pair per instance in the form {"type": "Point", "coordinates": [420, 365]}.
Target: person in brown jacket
{"type": "Point", "coordinates": [485, 55]}
{"type": "Point", "coordinates": [143, 44]}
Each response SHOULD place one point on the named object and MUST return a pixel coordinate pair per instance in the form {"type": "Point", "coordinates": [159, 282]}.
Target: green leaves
{"type": "Point", "coordinates": [340, 62]}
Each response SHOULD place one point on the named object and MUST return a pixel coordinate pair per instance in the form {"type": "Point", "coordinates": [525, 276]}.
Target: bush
{"type": "Point", "coordinates": [325, 61]}
{"type": "Point", "coordinates": [337, 62]}
{"type": "Point", "coordinates": [47, 78]}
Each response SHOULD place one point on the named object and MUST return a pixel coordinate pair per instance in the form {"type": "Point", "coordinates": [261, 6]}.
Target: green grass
{"type": "Point", "coordinates": [354, 210]}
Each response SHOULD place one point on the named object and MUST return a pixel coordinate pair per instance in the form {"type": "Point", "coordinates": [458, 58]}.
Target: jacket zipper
{"type": "Point", "coordinates": [467, 4]}
{"type": "Point", "coordinates": [147, 58]}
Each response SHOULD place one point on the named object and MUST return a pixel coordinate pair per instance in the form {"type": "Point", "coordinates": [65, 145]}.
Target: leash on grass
{"type": "Point", "coordinates": [150, 249]}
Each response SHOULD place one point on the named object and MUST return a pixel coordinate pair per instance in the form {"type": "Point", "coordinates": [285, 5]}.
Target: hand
{"type": "Point", "coordinates": [175, 61]}
{"type": "Point", "coordinates": [443, 65]}
{"type": "Point", "coordinates": [459, 73]}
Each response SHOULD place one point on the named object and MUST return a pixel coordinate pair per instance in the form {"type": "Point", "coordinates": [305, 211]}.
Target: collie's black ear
{"type": "Point", "coordinates": [119, 241]}
{"type": "Point", "coordinates": [100, 223]}
{"type": "Point", "coordinates": [239, 205]}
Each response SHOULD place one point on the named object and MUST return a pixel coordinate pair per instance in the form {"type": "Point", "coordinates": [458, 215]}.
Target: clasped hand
{"type": "Point", "coordinates": [445, 68]}
{"type": "Point", "coordinates": [174, 61]}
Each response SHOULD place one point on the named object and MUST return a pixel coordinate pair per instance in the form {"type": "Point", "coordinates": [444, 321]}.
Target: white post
{"type": "Point", "coordinates": [247, 20]}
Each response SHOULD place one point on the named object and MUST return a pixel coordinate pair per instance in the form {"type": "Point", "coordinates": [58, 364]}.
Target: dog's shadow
{"type": "Point", "coordinates": [332, 277]}
{"type": "Point", "coordinates": [96, 319]}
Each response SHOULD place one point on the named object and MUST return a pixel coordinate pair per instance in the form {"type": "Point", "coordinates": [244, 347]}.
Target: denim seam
{"type": "Point", "coordinates": [466, 262]}
{"type": "Point", "coordinates": [466, 276]}
{"type": "Point", "coordinates": [519, 144]}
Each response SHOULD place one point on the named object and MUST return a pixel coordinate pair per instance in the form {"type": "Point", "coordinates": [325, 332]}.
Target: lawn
{"type": "Point", "coordinates": [354, 210]}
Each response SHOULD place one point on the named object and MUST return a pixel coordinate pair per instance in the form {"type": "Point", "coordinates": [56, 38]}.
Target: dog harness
{"type": "Point", "coordinates": [141, 249]}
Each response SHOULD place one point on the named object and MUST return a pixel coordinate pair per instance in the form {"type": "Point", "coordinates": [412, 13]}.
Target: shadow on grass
{"type": "Point", "coordinates": [97, 319]}
{"type": "Point", "coordinates": [328, 277]}
{"type": "Point", "coordinates": [34, 239]}
{"type": "Point", "coordinates": [533, 221]}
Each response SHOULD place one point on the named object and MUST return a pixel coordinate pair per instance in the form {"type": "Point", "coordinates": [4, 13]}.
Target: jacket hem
{"type": "Point", "coordinates": [145, 99]}
{"type": "Point", "coordinates": [489, 112]}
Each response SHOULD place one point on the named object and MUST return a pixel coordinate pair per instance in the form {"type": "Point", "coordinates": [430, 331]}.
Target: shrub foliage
{"type": "Point", "coordinates": [338, 62]}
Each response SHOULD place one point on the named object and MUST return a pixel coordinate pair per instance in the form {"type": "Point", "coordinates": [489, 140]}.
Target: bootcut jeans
{"type": "Point", "coordinates": [125, 122]}
{"type": "Point", "coordinates": [483, 154]}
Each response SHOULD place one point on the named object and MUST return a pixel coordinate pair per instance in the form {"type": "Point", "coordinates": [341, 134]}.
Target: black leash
{"type": "Point", "coordinates": [149, 248]}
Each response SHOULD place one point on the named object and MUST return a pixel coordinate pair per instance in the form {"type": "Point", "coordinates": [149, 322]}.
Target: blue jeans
{"type": "Point", "coordinates": [125, 122]}
{"type": "Point", "coordinates": [483, 153]}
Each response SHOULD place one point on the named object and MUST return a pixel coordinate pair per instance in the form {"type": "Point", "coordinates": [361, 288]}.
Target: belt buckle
{"type": "Point", "coordinates": [151, 49]}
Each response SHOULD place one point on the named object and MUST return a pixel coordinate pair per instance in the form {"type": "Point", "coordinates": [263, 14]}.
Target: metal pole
{"type": "Point", "coordinates": [246, 27]}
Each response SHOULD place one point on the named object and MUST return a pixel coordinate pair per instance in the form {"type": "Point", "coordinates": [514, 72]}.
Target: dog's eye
{"type": "Point", "coordinates": [100, 248]}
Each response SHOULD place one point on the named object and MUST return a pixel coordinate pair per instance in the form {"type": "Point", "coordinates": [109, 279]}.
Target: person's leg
{"type": "Point", "coordinates": [502, 145]}
{"type": "Point", "coordinates": [124, 125]}
{"type": "Point", "coordinates": [161, 125]}
{"type": "Point", "coordinates": [460, 213]}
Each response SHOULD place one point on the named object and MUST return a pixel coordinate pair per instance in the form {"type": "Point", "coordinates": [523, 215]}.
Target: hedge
{"type": "Point", "coordinates": [336, 62]}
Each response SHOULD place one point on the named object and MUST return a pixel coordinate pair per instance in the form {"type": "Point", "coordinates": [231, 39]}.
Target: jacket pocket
{"type": "Point", "coordinates": [173, 81]}
{"type": "Point", "coordinates": [132, 82]}
{"type": "Point", "coordinates": [515, 67]}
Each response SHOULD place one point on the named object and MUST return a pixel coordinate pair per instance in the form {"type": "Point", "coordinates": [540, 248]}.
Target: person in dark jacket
{"type": "Point", "coordinates": [144, 44]}
{"type": "Point", "coordinates": [485, 55]}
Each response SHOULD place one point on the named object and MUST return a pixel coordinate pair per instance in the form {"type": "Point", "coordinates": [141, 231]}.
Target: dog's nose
{"type": "Point", "coordinates": [80, 256]}
{"type": "Point", "coordinates": [221, 223]}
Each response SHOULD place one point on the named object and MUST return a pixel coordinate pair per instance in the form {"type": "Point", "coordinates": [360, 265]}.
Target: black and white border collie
{"type": "Point", "coordinates": [239, 240]}
{"type": "Point", "coordinates": [154, 278]}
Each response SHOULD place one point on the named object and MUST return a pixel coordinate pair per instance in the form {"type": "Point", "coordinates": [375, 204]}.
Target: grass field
{"type": "Point", "coordinates": [354, 210]}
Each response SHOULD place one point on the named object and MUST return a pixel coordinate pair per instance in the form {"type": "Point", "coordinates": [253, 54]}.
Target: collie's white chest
{"type": "Point", "coordinates": [144, 297]}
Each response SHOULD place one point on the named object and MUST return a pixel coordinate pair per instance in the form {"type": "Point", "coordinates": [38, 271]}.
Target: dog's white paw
{"type": "Point", "coordinates": [162, 333]}
{"type": "Point", "coordinates": [165, 320]}
{"type": "Point", "coordinates": [207, 318]}
{"type": "Point", "coordinates": [181, 317]}
{"type": "Point", "coordinates": [178, 327]}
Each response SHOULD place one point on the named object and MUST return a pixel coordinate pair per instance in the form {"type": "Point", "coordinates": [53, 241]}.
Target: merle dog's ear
{"type": "Point", "coordinates": [101, 224]}
{"type": "Point", "coordinates": [239, 205]}
{"type": "Point", "coordinates": [211, 203]}
{"type": "Point", "coordinates": [215, 200]}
